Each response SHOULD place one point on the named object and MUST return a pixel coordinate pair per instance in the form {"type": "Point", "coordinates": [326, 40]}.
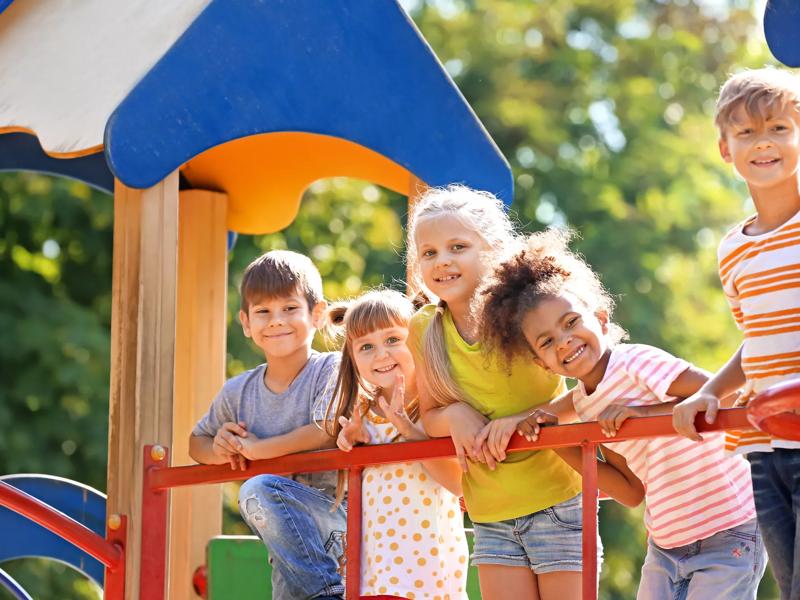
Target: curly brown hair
{"type": "Point", "coordinates": [544, 268]}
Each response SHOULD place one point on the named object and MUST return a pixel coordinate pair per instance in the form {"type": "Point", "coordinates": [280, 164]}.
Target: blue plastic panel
{"type": "Point", "coordinates": [22, 152]}
{"type": "Point", "coordinates": [23, 538]}
{"type": "Point", "coordinates": [781, 27]}
{"type": "Point", "coordinates": [345, 68]}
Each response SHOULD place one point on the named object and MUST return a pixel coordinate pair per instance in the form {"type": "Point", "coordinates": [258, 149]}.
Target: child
{"type": "Point", "coordinates": [268, 412]}
{"type": "Point", "coordinates": [704, 540]}
{"type": "Point", "coordinates": [527, 509]}
{"type": "Point", "coordinates": [758, 116]}
{"type": "Point", "coordinates": [413, 544]}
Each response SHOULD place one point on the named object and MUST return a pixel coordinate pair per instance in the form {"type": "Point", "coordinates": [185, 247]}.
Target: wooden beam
{"type": "Point", "coordinates": [199, 374]}
{"type": "Point", "coordinates": [144, 292]}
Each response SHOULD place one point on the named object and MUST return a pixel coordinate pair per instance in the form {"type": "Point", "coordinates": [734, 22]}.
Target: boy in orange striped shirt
{"type": "Point", "coordinates": [758, 116]}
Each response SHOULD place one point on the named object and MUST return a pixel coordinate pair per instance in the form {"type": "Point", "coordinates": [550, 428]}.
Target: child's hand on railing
{"type": "Point", "coordinates": [530, 426]}
{"type": "Point", "coordinates": [612, 417]}
{"type": "Point", "coordinates": [227, 444]}
{"type": "Point", "coordinates": [684, 413]}
{"type": "Point", "coordinates": [353, 431]}
{"type": "Point", "coordinates": [466, 423]}
{"type": "Point", "coordinates": [395, 412]}
{"type": "Point", "coordinates": [496, 434]}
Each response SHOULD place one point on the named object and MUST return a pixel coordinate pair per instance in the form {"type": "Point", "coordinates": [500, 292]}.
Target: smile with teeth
{"type": "Point", "coordinates": [386, 369]}
{"type": "Point", "coordinates": [764, 162]}
{"type": "Point", "coordinates": [445, 278]}
{"type": "Point", "coordinates": [574, 355]}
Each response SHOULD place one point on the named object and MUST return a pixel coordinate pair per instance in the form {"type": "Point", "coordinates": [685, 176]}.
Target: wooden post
{"type": "Point", "coordinates": [199, 374]}
{"type": "Point", "coordinates": [144, 292]}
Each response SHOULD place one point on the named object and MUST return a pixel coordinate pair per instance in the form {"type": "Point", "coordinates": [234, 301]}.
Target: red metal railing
{"type": "Point", "coordinates": [109, 551]}
{"type": "Point", "coordinates": [159, 478]}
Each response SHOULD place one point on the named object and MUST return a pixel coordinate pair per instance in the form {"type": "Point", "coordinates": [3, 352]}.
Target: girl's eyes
{"type": "Point", "coordinates": [393, 339]}
{"type": "Point", "coordinates": [545, 343]}
{"type": "Point", "coordinates": [365, 347]}
{"type": "Point", "coordinates": [428, 253]}
{"type": "Point", "coordinates": [572, 322]}
{"type": "Point", "coordinates": [743, 132]}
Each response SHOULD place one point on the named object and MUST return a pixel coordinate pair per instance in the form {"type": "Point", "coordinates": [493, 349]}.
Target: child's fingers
{"type": "Point", "coordinates": [683, 422]}
{"type": "Point", "coordinates": [344, 421]}
{"type": "Point", "coordinates": [235, 428]}
{"type": "Point", "coordinates": [711, 413]}
{"type": "Point", "coordinates": [483, 435]}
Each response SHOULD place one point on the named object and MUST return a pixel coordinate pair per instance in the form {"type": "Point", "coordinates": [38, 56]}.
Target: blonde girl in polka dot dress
{"type": "Point", "coordinates": [413, 543]}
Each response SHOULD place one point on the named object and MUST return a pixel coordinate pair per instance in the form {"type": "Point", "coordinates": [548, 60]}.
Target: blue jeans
{"type": "Point", "coordinates": [304, 538]}
{"type": "Point", "coordinates": [776, 489]}
{"type": "Point", "coordinates": [728, 565]}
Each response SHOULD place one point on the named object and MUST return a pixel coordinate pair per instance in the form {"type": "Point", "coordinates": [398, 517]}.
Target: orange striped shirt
{"type": "Point", "coordinates": [760, 275]}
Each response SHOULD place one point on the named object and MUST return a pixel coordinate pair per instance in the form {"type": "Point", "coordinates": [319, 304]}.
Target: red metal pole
{"type": "Point", "coordinates": [353, 549]}
{"type": "Point", "coordinates": [155, 504]}
{"type": "Point", "coordinates": [116, 533]}
{"type": "Point", "coordinates": [108, 553]}
{"type": "Point", "coordinates": [589, 583]}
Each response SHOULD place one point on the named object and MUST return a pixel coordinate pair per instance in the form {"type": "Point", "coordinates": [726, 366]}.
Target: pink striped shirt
{"type": "Point", "coordinates": [692, 489]}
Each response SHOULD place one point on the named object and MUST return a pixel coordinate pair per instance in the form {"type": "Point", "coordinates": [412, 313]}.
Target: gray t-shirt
{"type": "Point", "coordinates": [266, 414]}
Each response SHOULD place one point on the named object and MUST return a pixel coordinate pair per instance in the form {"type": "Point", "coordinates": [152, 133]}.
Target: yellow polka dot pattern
{"type": "Point", "coordinates": [413, 543]}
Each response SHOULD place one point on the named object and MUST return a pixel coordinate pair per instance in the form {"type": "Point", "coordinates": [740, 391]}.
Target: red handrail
{"type": "Point", "coordinates": [329, 460]}
{"type": "Point", "coordinates": [108, 553]}
{"type": "Point", "coordinates": [158, 479]}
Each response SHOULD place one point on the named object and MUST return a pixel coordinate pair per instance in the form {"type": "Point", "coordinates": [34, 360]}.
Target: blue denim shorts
{"type": "Point", "coordinates": [545, 541]}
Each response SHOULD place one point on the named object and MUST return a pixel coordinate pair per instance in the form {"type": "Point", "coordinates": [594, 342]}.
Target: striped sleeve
{"type": "Point", "coordinates": [654, 369]}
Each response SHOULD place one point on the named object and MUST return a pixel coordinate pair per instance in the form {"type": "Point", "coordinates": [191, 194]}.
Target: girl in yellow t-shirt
{"type": "Point", "coordinates": [526, 507]}
{"type": "Point", "coordinates": [413, 543]}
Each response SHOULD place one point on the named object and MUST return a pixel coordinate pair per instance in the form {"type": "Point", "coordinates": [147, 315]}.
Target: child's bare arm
{"type": "Point", "coordinates": [707, 398]}
{"type": "Point", "coordinates": [614, 477]}
{"type": "Point", "coordinates": [303, 439]}
{"type": "Point", "coordinates": [224, 447]}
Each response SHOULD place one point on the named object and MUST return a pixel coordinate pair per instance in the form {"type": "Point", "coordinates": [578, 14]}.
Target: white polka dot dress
{"type": "Point", "coordinates": [413, 543]}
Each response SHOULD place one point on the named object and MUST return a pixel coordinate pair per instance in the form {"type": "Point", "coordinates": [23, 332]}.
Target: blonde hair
{"type": "Point", "coordinates": [543, 268]}
{"type": "Point", "coordinates": [757, 91]}
{"type": "Point", "coordinates": [482, 213]}
{"type": "Point", "coordinates": [376, 309]}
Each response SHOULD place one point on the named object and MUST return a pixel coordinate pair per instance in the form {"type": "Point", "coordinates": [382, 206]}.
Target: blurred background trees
{"type": "Point", "coordinates": [604, 111]}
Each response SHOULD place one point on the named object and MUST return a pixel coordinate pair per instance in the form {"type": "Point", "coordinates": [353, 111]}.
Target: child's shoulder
{"type": "Point", "coordinates": [236, 384]}
{"type": "Point", "coordinates": [419, 323]}
{"type": "Point", "coordinates": [323, 361]}
{"type": "Point", "coordinates": [424, 314]}
{"type": "Point", "coordinates": [641, 355]}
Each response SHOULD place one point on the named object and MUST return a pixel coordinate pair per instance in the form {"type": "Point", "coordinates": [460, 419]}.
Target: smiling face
{"type": "Point", "coordinates": [282, 326]}
{"type": "Point", "coordinates": [765, 151]}
{"type": "Point", "coordinates": [567, 338]}
{"type": "Point", "coordinates": [449, 255]}
{"type": "Point", "coordinates": [381, 355]}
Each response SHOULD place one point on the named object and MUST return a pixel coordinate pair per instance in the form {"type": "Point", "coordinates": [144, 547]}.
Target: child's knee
{"type": "Point", "coordinates": [257, 498]}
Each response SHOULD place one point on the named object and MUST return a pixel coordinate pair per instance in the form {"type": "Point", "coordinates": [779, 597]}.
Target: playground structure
{"type": "Point", "coordinates": [224, 113]}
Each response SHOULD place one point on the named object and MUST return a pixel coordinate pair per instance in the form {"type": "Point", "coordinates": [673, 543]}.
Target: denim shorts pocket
{"type": "Point", "coordinates": [334, 545]}
{"type": "Point", "coordinates": [742, 535]}
{"type": "Point", "coordinates": [567, 514]}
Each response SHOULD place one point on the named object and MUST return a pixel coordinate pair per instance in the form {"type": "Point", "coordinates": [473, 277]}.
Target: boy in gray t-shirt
{"type": "Point", "coordinates": [276, 409]}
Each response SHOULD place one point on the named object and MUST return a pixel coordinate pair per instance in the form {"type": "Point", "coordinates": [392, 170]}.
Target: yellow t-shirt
{"type": "Point", "coordinates": [525, 482]}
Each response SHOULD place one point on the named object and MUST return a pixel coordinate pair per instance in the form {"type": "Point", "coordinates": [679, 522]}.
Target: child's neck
{"type": "Point", "coordinates": [464, 320]}
{"type": "Point", "coordinates": [593, 378]}
{"type": "Point", "coordinates": [774, 206]}
{"type": "Point", "coordinates": [282, 371]}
